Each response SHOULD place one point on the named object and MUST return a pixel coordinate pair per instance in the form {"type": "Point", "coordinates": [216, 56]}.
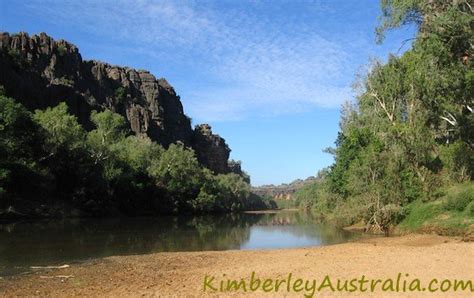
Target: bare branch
{"type": "Point", "coordinates": [403, 44]}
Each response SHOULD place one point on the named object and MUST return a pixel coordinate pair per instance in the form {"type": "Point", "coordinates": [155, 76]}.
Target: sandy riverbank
{"type": "Point", "coordinates": [421, 256]}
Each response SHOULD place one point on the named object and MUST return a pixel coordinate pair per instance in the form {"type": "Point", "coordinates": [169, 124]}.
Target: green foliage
{"type": "Point", "coordinates": [17, 59]}
{"type": "Point", "coordinates": [20, 152]}
{"type": "Point", "coordinates": [110, 127]}
{"type": "Point", "coordinates": [286, 204]}
{"type": "Point", "coordinates": [411, 130]}
{"type": "Point", "coordinates": [398, 12]}
{"type": "Point", "coordinates": [74, 176]}
{"type": "Point", "coordinates": [102, 141]}
{"type": "Point", "coordinates": [120, 94]}
{"type": "Point", "coordinates": [356, 208]}
{"type": "Point", "coordinates": [208, 194]}
{"type": "Point", "coordinates": [256, 202]}
{"type": "Point", "coordinates": [104, 171]}
{"type": "Point", "coordinates": [18, 132]}
{"type": "Point", "coordinates": [234, 191]}
{"type": "Point", "coordinates": [307, 193]}
{"type": "Point", "coordinates": [179, 172]}
{"type": "Point", "coordinates": [459, 200]}
{"type": "Point", "coordinates": [451, 214]}
{"type": "Point", "coordinates": [62, 50]}
{"type": "Point", "coordinates": [418, 213]}
{"type": "Point", "coordinates": [349, 145]}
{"type": "Point", "coordinates": [458, 160]}
{"type": "Point", "coordinates": [228, 193]}
{"type": "Point", "coordinates": [62, 129]}
{"type": "Point", "coordinates": [138, 152]}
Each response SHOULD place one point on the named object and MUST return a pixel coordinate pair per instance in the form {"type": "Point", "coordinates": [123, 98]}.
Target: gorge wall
{"type": "Point", "coordinates": [40, 72]}
{"type": "Point", "coordinates": [283, 191]}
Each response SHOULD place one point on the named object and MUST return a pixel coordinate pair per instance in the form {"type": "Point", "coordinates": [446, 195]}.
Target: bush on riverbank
{"type": "Point", "coordinates": [410, 133]}
{"type": "Point", "coordinates": [286, 204]}
{"type": "Point", "coordinates": [452, 214]}
{"type": "Point", "coordinates": [51, 166]}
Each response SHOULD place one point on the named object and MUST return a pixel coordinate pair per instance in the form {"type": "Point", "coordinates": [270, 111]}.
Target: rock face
{"type": "Point", "coordinates": [211, 149]}
{"type": "Point", "coordinates": [282, 191]}
{"type": "Point", "coordinates": [40, 72]}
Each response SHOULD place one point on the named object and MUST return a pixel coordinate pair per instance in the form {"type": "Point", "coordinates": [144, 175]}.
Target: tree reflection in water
{"type": "Point", "coordinates": [57, 241]}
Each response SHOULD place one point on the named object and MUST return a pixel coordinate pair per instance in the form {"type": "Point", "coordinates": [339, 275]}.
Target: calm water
{"type": "Point", "coordinates": [65, 241]}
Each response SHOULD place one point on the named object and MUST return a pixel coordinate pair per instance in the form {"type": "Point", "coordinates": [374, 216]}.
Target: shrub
{"type": "Point", "coordinates": [458, 158]}
{"type": "Point", "coordinates": [17, 58]}
{"type": "Point", "coordinates": [460, 200]}
{"type": "Point", "coordinates": [120, 94]}
{"type": "Point", "coordinates": [62, 50]}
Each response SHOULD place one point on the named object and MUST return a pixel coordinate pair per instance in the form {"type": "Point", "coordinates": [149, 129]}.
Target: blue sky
{"type": "Point", "coordinates": [269, 76]}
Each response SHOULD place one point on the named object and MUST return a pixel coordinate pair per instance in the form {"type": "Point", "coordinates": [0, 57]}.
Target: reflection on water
{"type": "Point", "coordinates": [59, 241]}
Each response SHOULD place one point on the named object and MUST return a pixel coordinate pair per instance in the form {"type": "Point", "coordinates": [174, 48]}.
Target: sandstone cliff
{"type": "Point", "coordinates": [40, 72]}
{"type": "Point", "coordinates": [283, 191]}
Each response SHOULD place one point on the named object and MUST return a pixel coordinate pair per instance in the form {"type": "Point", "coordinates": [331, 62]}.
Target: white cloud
{"type": "Point", "coordinates": [260, 66]}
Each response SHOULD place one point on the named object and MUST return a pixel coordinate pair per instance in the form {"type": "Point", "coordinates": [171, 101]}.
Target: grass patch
{"type": "Point", "coordinates": [459, 198]}
{"type": "Point", "coordinates": [452, 214]}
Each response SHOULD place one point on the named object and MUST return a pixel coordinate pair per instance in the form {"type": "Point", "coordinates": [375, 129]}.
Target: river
{"type": "Point", "coordinates": [55, 242]}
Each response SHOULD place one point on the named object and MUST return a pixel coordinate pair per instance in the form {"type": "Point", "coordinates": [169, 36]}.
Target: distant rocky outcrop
{"type": "Point", "coordinates": [283, 191]}
{"type": "Point", "coordinates": [40, 72]}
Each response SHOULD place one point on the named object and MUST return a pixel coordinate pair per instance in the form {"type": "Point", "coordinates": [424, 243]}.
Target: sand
{"type": "Point", "coordinates": [182, 273]}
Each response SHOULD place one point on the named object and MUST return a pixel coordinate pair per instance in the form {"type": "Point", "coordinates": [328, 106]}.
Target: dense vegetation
{"type": "Point", "coordinates": [410, 134]}
{"type": "Point", "coordinates": [449, 215]}
{"type": "Point", "coordinates": [51, 166]}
